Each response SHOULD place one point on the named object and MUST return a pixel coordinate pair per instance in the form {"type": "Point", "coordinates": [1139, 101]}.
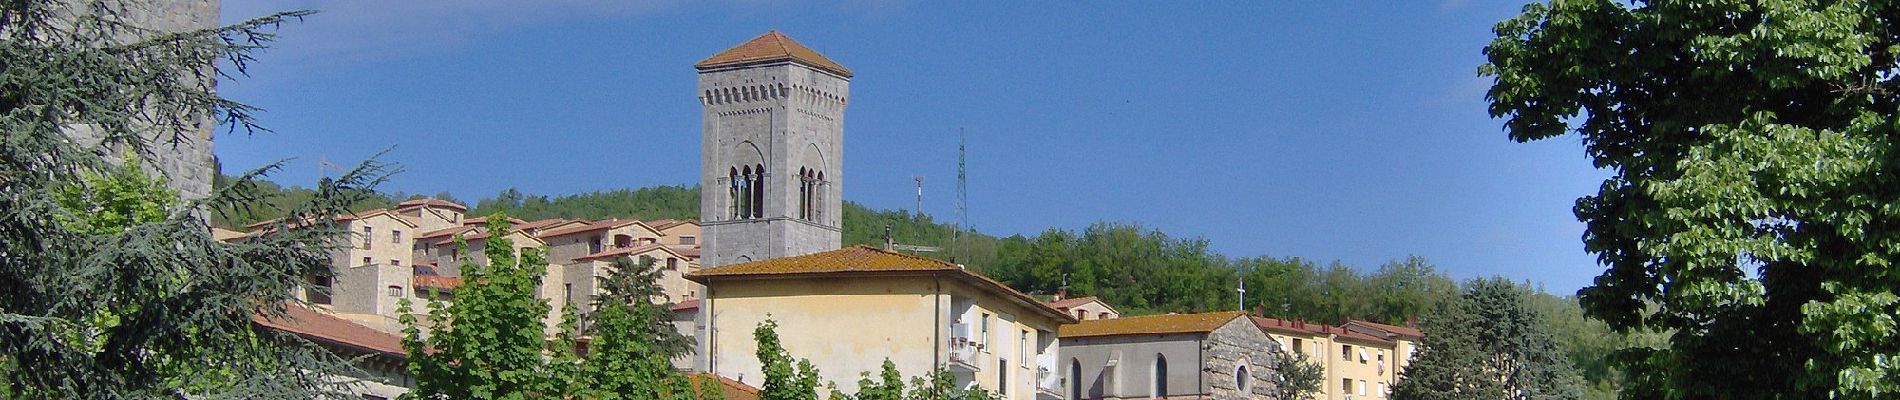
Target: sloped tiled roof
{"type": "Point", "coordinates": [729, 389]}
{"type": "Point", "coordinates": [609, 254]}
{"type": "Point", "coordinates": [435, 281]}
{"type": "Point", "coordinates": [664, 224]}
{"type": "Point", "coordinates": [446, 232]}
{"type": "Point", "coordinates": [1306, 328]}
{"type": "Point", "coordinates": [1149, 325]}
{"type": "Point", "coordinates": [769, 47]}
{"type": "Point", "coordinates": [1068, 303]}
{"type": "Point", "coordinates": [329, 329]}
{"type": "Point", "coordinates": [1389, 330]}
{"type": "Point", "coordinates": [867, 260]}
{"type": "Point", "coordinates": [431, 202]}
{"type": "Point", "coordinates": [688, 304]}
{"type": "Point", "coordinates": [538, 224]}
{"type": "Point", "coordinates": [592, 226]}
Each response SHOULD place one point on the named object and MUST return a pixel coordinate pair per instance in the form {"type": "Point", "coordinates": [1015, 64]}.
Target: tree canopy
{"type": "Point", "coordinates": [1751, 209]}
{"type": "Point", "coordinates": [114, 287]}
{"type": "Point", "coordinates": [1490, 343]}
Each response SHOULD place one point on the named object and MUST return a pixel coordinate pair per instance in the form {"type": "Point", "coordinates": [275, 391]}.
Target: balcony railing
{"type": "Point", "coordinates": [1049, 384]}
{"type": "Point", "coordinates": [963, 349]}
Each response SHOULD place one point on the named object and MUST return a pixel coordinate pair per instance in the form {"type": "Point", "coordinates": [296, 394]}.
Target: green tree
{"type": "Point", "coordinates": [890, 385]}
{"type": "Point", "coordinates": [122, 292]}
{"type": "Point", "coordinates": [1299, 377]}
{"type": "Point", "coordinates": [1490, 343]}
{"type": "Point", "coordinates": [488, 343]}
{"type": "Point", "coordinates": [786, 378]}
{"type": "Point", "coordinates": [634, 341]}
{"type": "Point", "coordinates": [1750, 145]}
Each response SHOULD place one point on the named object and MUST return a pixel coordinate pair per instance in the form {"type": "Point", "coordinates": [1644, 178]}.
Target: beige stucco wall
{"type": "Point", "coordinates": [365, 287]}
{"type": "Point", "coordinates": [847, 326]}
{"type": "Point", "coordinates": [1326, 350]}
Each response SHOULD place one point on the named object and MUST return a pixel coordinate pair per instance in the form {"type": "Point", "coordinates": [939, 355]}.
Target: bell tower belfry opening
{"type": "Point", "coordinates": [772, 151]}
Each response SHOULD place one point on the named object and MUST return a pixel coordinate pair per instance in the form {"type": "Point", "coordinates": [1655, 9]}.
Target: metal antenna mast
{"type": "Point", "coordinates": [963, 196]}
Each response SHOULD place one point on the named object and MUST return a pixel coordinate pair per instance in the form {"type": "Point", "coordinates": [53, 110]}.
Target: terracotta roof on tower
{"type": "Point", "coordinates": [772, 46]}
{"type": "Point", "coordinates": [1149, 325]}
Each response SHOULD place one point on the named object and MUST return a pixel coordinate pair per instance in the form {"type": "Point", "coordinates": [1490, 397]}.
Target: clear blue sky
{"type": "Point", "coordinates": [1327, 130]}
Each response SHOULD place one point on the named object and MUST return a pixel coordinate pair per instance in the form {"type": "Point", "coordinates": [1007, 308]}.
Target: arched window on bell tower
{"type": "Point", "coordinates": [745, 192]}
{"type": "Point", "coordinates": [804, 193]}
{"type": "Point", "coordinates": [758, 192]}
{"type": "Point", "coordinates": [732, 193]}
{"type": "Point", "coordinates": [818, 197]}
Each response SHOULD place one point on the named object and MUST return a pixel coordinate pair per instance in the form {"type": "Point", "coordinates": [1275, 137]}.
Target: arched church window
{"type": "Point", "coordinates": [818, 197]}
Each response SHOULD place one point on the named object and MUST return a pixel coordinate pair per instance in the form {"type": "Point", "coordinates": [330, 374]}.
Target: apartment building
{"type": "Point", "coordinates": [847, 310]}
{"type": "Point", "coordinates": [1357, 365]}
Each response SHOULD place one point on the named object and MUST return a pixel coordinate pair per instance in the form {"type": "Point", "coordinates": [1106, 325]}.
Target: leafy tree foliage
{"type": "Point", "coordinates": [278, 200]}
{"type": "Point", "coordinates": [113, 287]}
{"type": "Point", "coordinates": [1299, 377]}
{"type": "Point", "coordinates": [1751, 146]}
{"type": "Point", "coordinates": [488, 342]}
{"type": "Point", "coordinates": [786, 378]}
{"type": "Point", "coordinates": [633, 338]}
{"type": "Point", "coordinates": [1490, 343]}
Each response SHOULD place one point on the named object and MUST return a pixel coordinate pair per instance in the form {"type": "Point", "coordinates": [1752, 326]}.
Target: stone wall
{"type": "Point", "coordinates": [784, 117]}
{"type": "Point", "coordinates": [184, 159]}
{"type": "Point", "coordinates": [1236, 344]}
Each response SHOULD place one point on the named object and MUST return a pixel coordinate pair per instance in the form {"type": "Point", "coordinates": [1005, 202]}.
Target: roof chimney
{"type": "Point", "coordinates": [1062, 293]}
{"type": "Point", "coordinates": [1411, 321]}
{"type": "Point", "coordinates": [889, 242]}
{"type": "Point", "coordinates": [1259, 310]}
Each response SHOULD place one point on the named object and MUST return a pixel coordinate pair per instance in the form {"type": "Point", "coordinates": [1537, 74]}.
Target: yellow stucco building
{"type": "Point", "coordinates": [1361, 359]}
{"type": "Point", "coordinates": [848, 310]}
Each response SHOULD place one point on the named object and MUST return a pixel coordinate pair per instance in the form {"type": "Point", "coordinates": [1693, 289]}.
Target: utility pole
{"type": "Point", "coordinates": [920, 195]}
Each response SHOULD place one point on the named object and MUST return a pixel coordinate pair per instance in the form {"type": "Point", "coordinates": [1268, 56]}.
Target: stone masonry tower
{"type": "Point", "coordinates": [771, 162]}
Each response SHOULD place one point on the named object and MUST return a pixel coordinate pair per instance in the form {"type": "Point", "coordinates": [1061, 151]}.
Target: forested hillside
{"type": "Point", "coordinates": [1139, 270]}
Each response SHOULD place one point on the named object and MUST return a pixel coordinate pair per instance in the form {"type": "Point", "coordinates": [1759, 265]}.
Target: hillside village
{"type": "Point", "coordinates": [1742, 232]}
{"type": "Point", "coordinates": [774, 252]}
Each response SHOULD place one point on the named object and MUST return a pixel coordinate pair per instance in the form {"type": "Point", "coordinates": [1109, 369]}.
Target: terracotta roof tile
{"type": "Point", "coordinates": [445, 232]}
{"type": "Point", "coordinates": [729, 389]}
{"type": "Point", "coordinates": [591, 226]}
{"type": "Point", "coordinates": [625, 251]}
{"type": "Point", "coordinates": [320, 327]}
{"type": "Point", "coordinates": [866, 259]}
{"type": "Point", "coordinates": [1071, 302]}
{"type": "Point", "coordinates": [769, 47]}
{"type": "Point", "coordinates": [1149, 325]}
{"type": "Point", "coordinates": [431, 202]}
{"type": "Point", "coordinates": [538, 224]}
{"type": "Point", "coordinates": [435, 281]}
{"type": "Point", "coordinates": [1402, 331]}
{"type": "Point", "coordinates": [689, 304]}
{"type": "Point", "coordinates": [1305, 328]}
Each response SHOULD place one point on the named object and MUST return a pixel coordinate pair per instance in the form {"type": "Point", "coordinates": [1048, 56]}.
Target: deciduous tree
{"type": "Point", "coordinates": [1751, 147]}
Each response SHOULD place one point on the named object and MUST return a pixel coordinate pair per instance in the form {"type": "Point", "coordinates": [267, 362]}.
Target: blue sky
{"type": "Point", "coordinates": [1343, 130]}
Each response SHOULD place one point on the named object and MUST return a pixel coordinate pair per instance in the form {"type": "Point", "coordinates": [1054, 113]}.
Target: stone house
{"type": "Point", "coordinates": [1084, 308]}
{"type": "Point", "coordinates": [1175, 356]}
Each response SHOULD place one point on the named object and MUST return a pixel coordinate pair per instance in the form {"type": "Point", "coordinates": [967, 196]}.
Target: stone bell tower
{"type": "Point", "coordinates": [771, 175]}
